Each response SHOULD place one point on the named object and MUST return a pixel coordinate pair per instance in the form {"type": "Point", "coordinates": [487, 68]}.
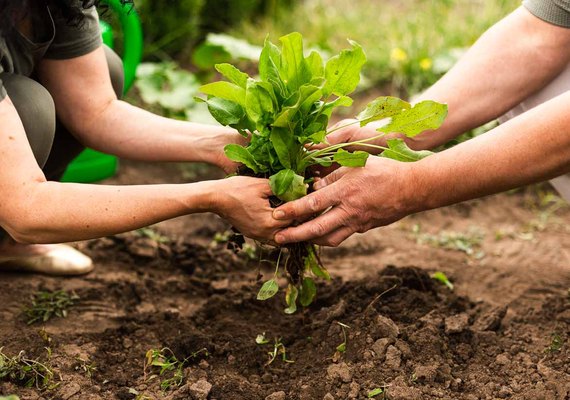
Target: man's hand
{"type": "Point", "coordinates": [350, 131]}
{"type": "Point", "coordinates": [355, 200]}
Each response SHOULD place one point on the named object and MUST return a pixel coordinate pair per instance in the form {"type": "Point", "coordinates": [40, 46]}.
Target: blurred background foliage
{"type": "Point", "coordinates": [409, 43]}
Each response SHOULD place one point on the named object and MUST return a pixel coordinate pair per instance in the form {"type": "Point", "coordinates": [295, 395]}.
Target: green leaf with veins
{"type": "Point", "coordinates": [233, 74]}
{"type": "Point", "coordinates": [426, 115]}
{"type": "Point", "coordinates": [348, 159]}
{"type": "Point", "coordinates": [268, 290]}
{"type": "Point", "coordinates": [224, 111]}
{"type": "Point", "coordinates": [258, 102]}
{"type": "Point", "coordinates": [382, 107]}
{"type": "Point", "coordinates": [284, 144]}
{"type": "Point", "coordinates": [316, 67]}
{"type": "Point", "coordinates": [240, 154]}
{"type": "Point", "coordinates": [225, 90]}
{"type": "Point", "coordinates": [342, 72]}
{"type": "Point", "coordinates": [294, 70]}
{"type": "Point", "coordinates": [399, 150]}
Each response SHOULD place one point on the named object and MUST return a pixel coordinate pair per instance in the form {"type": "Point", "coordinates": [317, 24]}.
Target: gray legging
{"type": "Point", "coordinates": [53, 145]}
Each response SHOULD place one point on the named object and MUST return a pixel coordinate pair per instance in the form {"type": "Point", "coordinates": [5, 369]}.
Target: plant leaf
{"type": "Point", "coordinates": [240, 154]}
{"type": "Point", "coordinates": [224, 111]}
{"type": "Point", "coordinates": [375, 392]}
{"type": "Point", "coordinates": [316, 66]}
{"type": "Point", "coordinates": [289, 185]}
{"type": "Point", "coordinates": [348, 159]}
{"type": "Point", "coordinates": [294, 70]}
{"type": "Point", "coordinates": [284, 145]}
{"type": "Point", "coordinates": [233, 74]}
{"type": "Point", "coordinates": [268, 290]}
{"type": "Point", "coordinates": [258, 102]}
{"type": "Point", "coordinates": [342, 72]}
{"type": "Point", "coordinates": [225, 90]}
{"type": "Point", "coordinates": [441, 277]}
{"type": "Point", "coordinates": [308, 292]}
{"type": "Point", "coordinates": [281, 181]}
{"type": "Point", "coordinates": [426, 115]}
{"type": "Point", "coordinates": [382, 107]}
{"type": "Point", "coordinates": [399, 150]}
{"type": "Point", "coordinates": [291, 299]}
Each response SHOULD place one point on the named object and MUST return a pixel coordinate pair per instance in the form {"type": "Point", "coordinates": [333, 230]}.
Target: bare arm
{"type": "Point", "coordinates": [513, 59]}
{"type": "Point", "coordinates": [533, 147]}
{"type": "Point", "coordinates": [87, 105]}
{"type": "Point", "coordinates": [33, 210]}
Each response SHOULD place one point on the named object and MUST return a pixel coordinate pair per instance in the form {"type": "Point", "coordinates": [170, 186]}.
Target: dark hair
{"type": "Point", "coordinates": [71, 10]}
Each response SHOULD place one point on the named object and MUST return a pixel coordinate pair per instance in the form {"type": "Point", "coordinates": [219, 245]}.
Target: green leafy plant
{"type": "Point", "coordinates": [46, 305]}
{"type": "Point", "coordinates": [26, 371]}
{"type": "Point", "coordinates": [285, 114]}
{"type": "Point", "coordinates": [163, 364]}
{"type": "Point", "coordinates": [279, 349]}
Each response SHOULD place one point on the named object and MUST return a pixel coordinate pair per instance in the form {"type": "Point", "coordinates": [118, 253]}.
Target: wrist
{"type": "Point", "coordinates": [417, 189]}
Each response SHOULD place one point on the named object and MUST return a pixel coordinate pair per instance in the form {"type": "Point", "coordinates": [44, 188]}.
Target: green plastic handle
{"type": "Point", "coordinates": [132, 38]}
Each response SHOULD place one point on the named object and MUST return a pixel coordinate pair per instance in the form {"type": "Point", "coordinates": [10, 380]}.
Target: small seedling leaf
{"type": "Point", "coordinates": [441, 277]}
{"type": "Point", "coordinates": [268, 290]}
{"type": "Point", "coordinates": [261, 339]}
{"type": "Point", "coordinates": [287, 185]}
{"type": "Point", "coordinates": [375, 392]}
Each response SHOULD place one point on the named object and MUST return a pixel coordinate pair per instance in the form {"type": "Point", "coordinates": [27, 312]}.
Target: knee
{"type": "Point", "coordinates": [116, 71]}
{"type": "Point", "coordinates": [36, 109]}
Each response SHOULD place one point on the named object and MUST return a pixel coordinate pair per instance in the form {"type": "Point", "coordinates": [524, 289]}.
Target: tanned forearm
{"type": "Point", "coordinates": [531, 148]}
{"type": "Point", "coordinates": [512, 60]}
{"type": "Point", "coordinates": [69, 212]}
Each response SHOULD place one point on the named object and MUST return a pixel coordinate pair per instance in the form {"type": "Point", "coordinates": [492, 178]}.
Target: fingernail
{"type": "Point", "coordinates": [278, 214]}
{"type": "Point", "coordinates": [279, 238]}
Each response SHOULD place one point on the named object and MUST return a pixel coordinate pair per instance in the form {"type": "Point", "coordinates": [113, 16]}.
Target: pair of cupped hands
{"type": "Point", "coordinates": [345, 200]}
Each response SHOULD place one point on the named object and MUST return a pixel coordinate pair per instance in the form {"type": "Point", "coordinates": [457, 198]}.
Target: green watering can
{"type": "Point", "coordinates": [91, 165]}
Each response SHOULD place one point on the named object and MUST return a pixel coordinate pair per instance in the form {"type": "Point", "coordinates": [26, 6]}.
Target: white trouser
{"type": "Point", "coordinates": [555, 88]}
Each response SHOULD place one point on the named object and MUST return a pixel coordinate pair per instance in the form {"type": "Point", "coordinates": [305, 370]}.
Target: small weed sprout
{"type": "Point", "coordinates": [341, 348]}
{"type": "Point", "coordinates": [86, 366]}
{"type": "Point", "coordinates": [11, 397]}
{"type": "Point", "coordinates": [46, 305]}
{"type": "Point", "coordinates": [168, 366]}
{"type": "Point", "coordinates": [278, 350]}
{"type": "Point", "coordinates": [153, 235]}
{"type": "Point", "coordinates": [556, 343]}
{"type": "Point", "coordinates": [442, 278]}
{"type": "Point", "coordinates": [261, 339]}
{"type": "Point", "coordinates": [27, 372]}
{"type": "Point", "coordinates": [466, 242]}
{"type": "Point", "coordinates": [375, 392]}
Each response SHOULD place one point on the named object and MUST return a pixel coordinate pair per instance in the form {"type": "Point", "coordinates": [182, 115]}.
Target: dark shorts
{"type": "Point", "coordinates": [53, 145]}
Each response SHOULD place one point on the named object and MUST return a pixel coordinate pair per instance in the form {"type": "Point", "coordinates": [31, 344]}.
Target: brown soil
{"type": "Point", "coordinates": [492, 337]}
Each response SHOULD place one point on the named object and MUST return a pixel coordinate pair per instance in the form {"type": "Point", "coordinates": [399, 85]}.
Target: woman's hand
{"type": "Point", "coordinates": [213, 145]}
{"type": "Point", "coordinates": [244, 202]}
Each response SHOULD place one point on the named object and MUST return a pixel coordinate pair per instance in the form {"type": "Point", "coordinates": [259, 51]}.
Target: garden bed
{"type": "Point", "coordinates": [501, 333]}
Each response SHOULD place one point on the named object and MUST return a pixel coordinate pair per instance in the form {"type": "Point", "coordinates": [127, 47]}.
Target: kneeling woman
{"type": "Point", "coordinates": [59, 89]}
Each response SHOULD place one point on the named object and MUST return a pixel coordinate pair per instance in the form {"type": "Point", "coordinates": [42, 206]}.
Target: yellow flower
{"type": "Point", "coordinates": [425, 64]}
{"type": "Point", "coordinates": [398, 55]}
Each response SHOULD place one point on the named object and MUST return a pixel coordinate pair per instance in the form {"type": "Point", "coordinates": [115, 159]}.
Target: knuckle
{"type": "Point", "coordinates": [318, 229]}
{"type": "Point", "coordinates": [314, 203]}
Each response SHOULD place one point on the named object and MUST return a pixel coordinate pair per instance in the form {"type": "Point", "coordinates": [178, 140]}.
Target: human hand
{"type": "Point", "coordinates": [349, 130]}
{"type": "Point", "coordinates": [213, 148]}
{"type": "Point", "coordinates": [355, 200]}
{"type": "Point", "coordinates": [244, 202]}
